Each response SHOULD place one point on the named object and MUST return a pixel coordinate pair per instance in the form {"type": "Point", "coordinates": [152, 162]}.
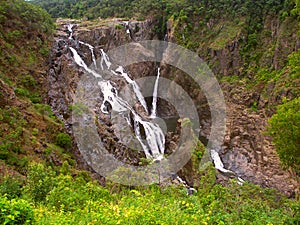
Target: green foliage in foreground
{"type": "Point", "coordinates": [77, 200]}
{"type": "Point", "coordinates": [285, 130]}
{"type": "Point", "coordinates": [15, 211]}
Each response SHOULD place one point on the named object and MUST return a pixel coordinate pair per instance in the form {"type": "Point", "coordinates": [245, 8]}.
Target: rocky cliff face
{"type": "Point", "coordinates": [106, 35]}
{"type": "Point", "coordinates": [246, 150]}
{"type": "Point", "coordinates": [230, 50]}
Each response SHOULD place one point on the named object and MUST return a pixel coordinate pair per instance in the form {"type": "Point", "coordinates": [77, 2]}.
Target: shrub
{"type": "Point", "coordinates": [119, 27]}
{"type": "Point", "coordinates": [15, 211]}
{"type": "Point", "coordinates": [35, 131]}
{"type": "Point", "coordinates": [13, 35]}
{"type": "Point", "coordinates": [44, 110]}
{"type": "Point", "coordinates": [294, 65]}
{"type": "Point", "coordinates": [71, 194]}
{"type": "Point", "coordinates": [27, 81]}
{"type": "Point", "coordinates": [22, 92]}
{"type": "Point", "coordinates": [39, 182]}
{"type": "Point", "coordinates": [34, 98]}
{"type": "Point", "coordinates": [4, 152]}
{"type": "Point", "coordinates": [63, 140]}
{"type": "Point", "coordinates": [285, 130]}
{"type": "Point", "coordinates": [67, 195]}
{"type": "Point", "coordinates": [11, 187]}
{"type": "Point", "coordinates": [44, 51]}
{"type": "Point", "coordinates": [78, 109]}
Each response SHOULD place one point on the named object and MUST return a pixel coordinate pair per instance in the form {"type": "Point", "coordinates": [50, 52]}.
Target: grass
{"type": "Point", "coordinates": [226, 34]}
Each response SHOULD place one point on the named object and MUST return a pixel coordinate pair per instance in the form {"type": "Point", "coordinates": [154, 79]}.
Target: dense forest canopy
{"type": "Point", "coordinates": [136, 8]}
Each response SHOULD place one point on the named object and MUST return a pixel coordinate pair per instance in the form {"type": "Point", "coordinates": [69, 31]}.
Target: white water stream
{"type": "Point", "coordinates": [154, 144]}
{"type": "Point", "coordinates": [70, 29]}
{"type": "Point", "coordinates": [92, 52]}
{"type": "Point", "coordinates": [154, 101]}
{"type": "Point", "coordinates": [127, 27]}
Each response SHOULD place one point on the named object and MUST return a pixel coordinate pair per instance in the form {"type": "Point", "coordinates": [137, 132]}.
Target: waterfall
{"type": "Point", "coordinates": [92, 52]}
{"type": "Point", "coordinates": [111, 96]}
{"type": "Point", "coordinates": [218, 162]}
{"type": "Point", "coordinates": [148, 133]}
{"type": "Point", "coordinates": [154, 133]}
{"type": "Point", "coordinates": [220, 166]}
{"type": "Point", "coordinates": [154, 101]}
{"type": "Point", "coordinates": [155, 140]}
{"type": "Point", "coordinates": [127, 27]}
{"type": "Point", "coordinates": [154, 145]}
{"type": "Point", "coordinates": [135, 87]}
{"type": "Point", "coordinates": [70, 29]}
{"type": "Point", "coordinates": [189, 189]}
{"type": "Point", "coordinates": [104, 58]}
{"type": "Point", "coordinates": [81, 63]}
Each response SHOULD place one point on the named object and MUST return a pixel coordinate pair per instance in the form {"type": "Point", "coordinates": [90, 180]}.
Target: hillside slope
{"type": "Point", "coordinates": [28, 127]}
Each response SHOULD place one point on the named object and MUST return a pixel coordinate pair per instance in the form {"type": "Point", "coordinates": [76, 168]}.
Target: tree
{"type": "Point", "coordinates": [285, 130]}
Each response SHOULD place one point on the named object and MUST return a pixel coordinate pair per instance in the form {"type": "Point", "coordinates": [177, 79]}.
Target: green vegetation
{"type": "Point", "coordinates": [200, 25]}
{"type": "Point", "coordinates": [51, 197]}
{"type": "Point", "coordinates": [78, 108]}
{"type": "Point", "coordinates": [11, 135]}
{"type": "Point", "coordinates": [63, 140]}
{"type": "Point", "coordinates": [11, 187]}
{"type": "Point", "coordinates": [15, 211]}
{"type": "Point", "coordinates": [117, 8]}
{"type": "Point", "coordinates": [25, 30]}
{"type": "Point", "coordinates": [226, 34]}
{"type": "Point", "coordinates": [40, 183]}
{"type": "Point", "coordinates": [285, 130]}
{"type": "Point", "coordinates": [26, 125]}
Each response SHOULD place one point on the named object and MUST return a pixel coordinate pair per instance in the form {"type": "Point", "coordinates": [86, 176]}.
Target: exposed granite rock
{"type": "Point", "coordinates": [247, 150]}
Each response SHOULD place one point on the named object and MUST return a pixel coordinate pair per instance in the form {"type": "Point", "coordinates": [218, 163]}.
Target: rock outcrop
{"type": "Point", "coordinates": [246, 150]}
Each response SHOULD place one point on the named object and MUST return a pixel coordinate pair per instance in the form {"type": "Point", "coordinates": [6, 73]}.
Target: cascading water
{"type": "Point", "coordinates": [154, 101]}
{"type": "Point", "coordinates": [79, 61]}
{"type": "Point", "coordinates": [154, 145]}
{"type": "Point", "coordinates": [218, 162]}
{"type": "Point", "coordinates": [70, 29]}
{"type": "Point", "coordinates": [105, 59]}
{"type": "Point", "coordinates": [220, 166]}
{"type": "Point", "coordinates": [120, 71]}
{"type": "Point", "coordinates": [127, 27]}
{"type": "Point", "coordinates": [155, 140]}
{"type": "Point", "coordinates": [135, 87]}
{"type": "Point", "coordinates": [92, 52]}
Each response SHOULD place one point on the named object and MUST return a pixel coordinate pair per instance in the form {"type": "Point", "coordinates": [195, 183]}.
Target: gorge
{"type": "Point", "coordinates": [250, 165]}
{"type": "Point", "coordinates": [149, 112]}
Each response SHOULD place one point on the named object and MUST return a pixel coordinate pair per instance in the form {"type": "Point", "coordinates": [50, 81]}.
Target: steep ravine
{"type": "Point", "coordinates": [245, 150]}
